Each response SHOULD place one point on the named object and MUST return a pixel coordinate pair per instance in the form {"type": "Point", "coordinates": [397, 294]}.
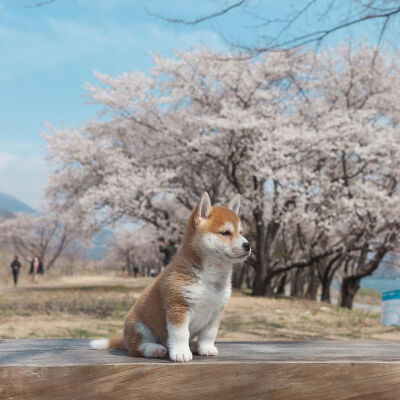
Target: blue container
{"type": "Point", "coordinates": [391, 308]}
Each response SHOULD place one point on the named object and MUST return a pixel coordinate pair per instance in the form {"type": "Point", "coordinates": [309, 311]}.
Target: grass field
{"type": "Point", "coordinates": [95, 306]}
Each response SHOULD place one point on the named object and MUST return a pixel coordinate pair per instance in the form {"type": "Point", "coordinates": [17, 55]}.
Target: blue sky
{"type": "Point", "coordinates": [48, 53]}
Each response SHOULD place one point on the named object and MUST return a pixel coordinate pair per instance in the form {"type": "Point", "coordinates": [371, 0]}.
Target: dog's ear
{"type": "Point", "coordinates": [234, 204]}
{"type": "Point", "coordinates": [203, 208]}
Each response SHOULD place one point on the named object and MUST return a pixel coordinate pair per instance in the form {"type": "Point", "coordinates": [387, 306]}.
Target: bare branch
{"type": "Point", "coordinates": [37, 4]}
{"type": "Point", "coordinates": [200, 19]}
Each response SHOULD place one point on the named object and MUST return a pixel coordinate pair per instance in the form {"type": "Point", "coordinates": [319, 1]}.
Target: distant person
{"type": "Point", "coordinates": [135, 271]}
{"type": "Point", "coordinates": [15, 267]}
{"type": "Point", "coordinates": [36, 268]}
{"type": "Point", "coordinates": [153, 272]}
{"type": "Point", "coordinates": [169, 249]}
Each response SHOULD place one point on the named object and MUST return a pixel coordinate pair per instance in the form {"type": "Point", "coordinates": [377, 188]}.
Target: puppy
{"type": "Point", "coordinates": [186, 299]}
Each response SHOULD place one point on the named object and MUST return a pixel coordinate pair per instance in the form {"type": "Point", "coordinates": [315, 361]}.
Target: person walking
{"type": "Point", "coordinates": [15, 267]}
{"type": "Point", "coordinates": [36, 268]}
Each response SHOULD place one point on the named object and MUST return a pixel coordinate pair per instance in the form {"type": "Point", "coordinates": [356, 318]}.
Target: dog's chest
{"type": "Point", "coordinates": [207, 297]}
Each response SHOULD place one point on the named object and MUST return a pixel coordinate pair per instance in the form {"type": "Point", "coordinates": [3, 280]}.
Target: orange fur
{"type": "Point", "coordinates": [117, 344]}
{"type": "Point", "coordinates": [163, 300]}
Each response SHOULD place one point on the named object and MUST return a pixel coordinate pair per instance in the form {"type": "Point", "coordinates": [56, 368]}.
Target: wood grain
{"type": "Point", "coordinates": [67, 369]}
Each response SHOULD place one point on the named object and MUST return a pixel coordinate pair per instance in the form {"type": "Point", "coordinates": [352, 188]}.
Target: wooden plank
{"type": "Point", "coordinates": [73, 351]}
{"type": "Point", "coordinates": [193, 381]}
{"type": "Point", "coordinates": [68, 369]}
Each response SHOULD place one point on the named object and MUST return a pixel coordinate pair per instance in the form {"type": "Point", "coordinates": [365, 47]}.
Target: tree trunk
{"type": "Point", "coordinates": [129, 264]}
{"type": "Point", "coordinates": [326, 282]}
{"type": "Point", "coordinates": [259, 279]}
{"type": "Point", "coordinates": [264, 243]}
{"type": "Point", "coordinates": [237, 276]}
{"type": "Point", "coordinates": [348, 290]}
{"type": "Point", "coordinates": [297, 285]}
{"type": "Point", "coordinates": [326, 274]}
{"type": "Point", "coordinates": [313, 283]}
{"type": "Point", "coordinates": [262, 285]}
{"type": "Point", "coordinates": [261, 259]}
{"type": "Point", "coordinates": [268, 288]}
{"type": "Point", "coordinates": [57, 253]}
{"type": "Point", "coordinates": [280, 291]}
{"type": "Point", "coordinates": [243, 274]}
{"type": "Point", "coordinates": [351, 284]}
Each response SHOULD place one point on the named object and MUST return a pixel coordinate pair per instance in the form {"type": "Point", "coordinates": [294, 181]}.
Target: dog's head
{"type": "Point", "coordinates": [218, 231]}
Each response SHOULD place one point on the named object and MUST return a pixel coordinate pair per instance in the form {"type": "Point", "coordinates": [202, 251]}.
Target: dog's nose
{"type": "Point", "coordinates": [246, 246]}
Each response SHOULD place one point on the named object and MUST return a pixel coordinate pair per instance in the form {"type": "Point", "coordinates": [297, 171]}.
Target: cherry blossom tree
{"type": "Point", "coordinates": [196, 124]}
{"type": "Point", "coordinates": [310, 139]}
{"type": "Point", "coordinates": [45, 236]}
{"type": "Point", "coordinates": [134, 248]}
{"type": "Point", "coordinates": [360, 162]}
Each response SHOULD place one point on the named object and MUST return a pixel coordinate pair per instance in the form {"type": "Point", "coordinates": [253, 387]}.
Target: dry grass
{"type": "Point", "coordinates": [248, 318]}
{"type": "Point", "coordinates": [95, 306]}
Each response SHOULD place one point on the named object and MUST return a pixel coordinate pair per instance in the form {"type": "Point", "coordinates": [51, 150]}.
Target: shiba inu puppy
{"type": "Point", "coordinates": [186, 299]}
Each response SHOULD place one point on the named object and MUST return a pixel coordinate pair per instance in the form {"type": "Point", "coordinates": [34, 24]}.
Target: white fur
{"type": "Point", "coordinates": [234, 204]}
{"type": "Point", "coordinates": [218, 252]}
{"type": "Point", "coordinates": [207, 297]}
{"type": "Point", "coordinates": [209, 294]}
{"type": "Point", "coordinates": [227, 227]}
{"type": "Point", "coordinates": [204, 207]}
{"type": "Point", "coordinates": [205, 342]}
{"type": "Point", "coordinates": [149, 346]}
{"type": "Point", "coordinates": [145, 332]}
{"type": "Point", "coordinates": [178, 341]}
{"type": "Point", "coordinates": [99, 344]}
{"type": "Point", "coordinates": [153, 350]}
{"type": "Point", "coordinates": [206, 349]}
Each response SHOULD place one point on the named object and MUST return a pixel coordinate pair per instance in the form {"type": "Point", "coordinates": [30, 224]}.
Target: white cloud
{"type": "Point", "coordinates": [5, 159]}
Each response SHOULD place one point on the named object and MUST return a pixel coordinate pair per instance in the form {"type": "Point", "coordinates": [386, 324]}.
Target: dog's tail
{"type": "Point", "coordinates": [111, 344]}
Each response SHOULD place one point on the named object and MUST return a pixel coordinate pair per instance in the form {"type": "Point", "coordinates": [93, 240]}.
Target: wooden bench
{"type": "Point", "coordinates": [67, 369]}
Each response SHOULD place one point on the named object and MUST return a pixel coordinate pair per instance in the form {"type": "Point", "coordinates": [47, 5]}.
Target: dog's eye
{"type": "Point", "coordinates": [225, 233]}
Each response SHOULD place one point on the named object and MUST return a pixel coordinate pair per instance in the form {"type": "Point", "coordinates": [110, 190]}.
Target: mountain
{"type": "Point", "coordinates": [5, 213]}
{"type": "Point", "coordinates": [10, 205]}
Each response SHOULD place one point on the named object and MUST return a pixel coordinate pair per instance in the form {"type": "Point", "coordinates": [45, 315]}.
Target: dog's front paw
{"type": "Point", "coordinates": [180, 354]}
{"type": "Point", "coordinates": [206, 349]}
